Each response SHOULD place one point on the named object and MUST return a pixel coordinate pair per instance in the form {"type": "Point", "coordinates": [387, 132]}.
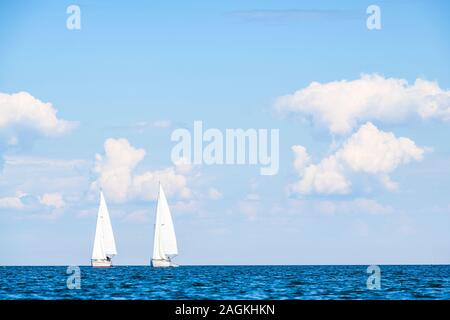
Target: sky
{"type": "Point", "coordinates": [363, 118]}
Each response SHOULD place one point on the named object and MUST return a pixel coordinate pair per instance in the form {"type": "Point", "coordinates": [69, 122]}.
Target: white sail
{"type": "Point", "coordinates": [108, 236]}
{"type": "Point", "coordinates": [165, 241]}
{"type": "Point", "coordinates": [104, 244]}
{"type": "Point", "coordinates": [99, 252]}
{"type": "Point", "coordinates": [157, 254]}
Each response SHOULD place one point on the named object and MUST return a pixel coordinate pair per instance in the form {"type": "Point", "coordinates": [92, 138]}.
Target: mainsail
{"type": "Point", "coordinates": [104, 244]}
{"type": "Point", "coordinates": [165, 241]}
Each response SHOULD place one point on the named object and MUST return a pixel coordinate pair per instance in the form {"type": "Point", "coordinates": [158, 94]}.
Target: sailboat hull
{"type": "Point", "coordinates": [163, 264]}
{"type": "Point", "coordinates": [101, 263]}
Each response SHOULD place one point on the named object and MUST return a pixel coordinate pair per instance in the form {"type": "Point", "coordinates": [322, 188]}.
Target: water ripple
{"type": "Point", "coordinates": [227, 282]}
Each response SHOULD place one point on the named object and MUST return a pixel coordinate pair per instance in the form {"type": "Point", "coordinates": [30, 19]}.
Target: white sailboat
{"type": "Point", "coordinates": [165, 241]}
{"type": "Point", "coordinates": [104, 244]}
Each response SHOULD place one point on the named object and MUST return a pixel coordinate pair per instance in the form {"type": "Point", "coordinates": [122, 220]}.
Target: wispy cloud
{"type": "Point", "coordinates": [261, 15]}
{"type": "Point", "coordinates": [137, 216]}
{"type": "Point", "coordinates": [144, 126]}
{"type": "Point", "coordinates": [27, 206]}
{"type": "Point", "coordinates": [15, 160]}
{"type": "Point", "coordinates": [357, 207]}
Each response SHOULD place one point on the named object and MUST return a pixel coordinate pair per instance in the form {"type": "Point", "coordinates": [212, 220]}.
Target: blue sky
{"type": "Point", "coordinates": [139, 70]}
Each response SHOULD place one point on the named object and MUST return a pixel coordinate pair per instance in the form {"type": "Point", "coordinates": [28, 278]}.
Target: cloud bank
{"type": "Point", "coordinates": [369, 150]}
{"type": "Point", "coordinates": [22, 109]}
{"type": "Point", "coordinates": [117, 176]}
{"type": "Point", "coordinates": [344, 105]}
{"type": "Point", "coordinates": [23, 118]}
{"type": "Point", "coordinates": [47, 206]}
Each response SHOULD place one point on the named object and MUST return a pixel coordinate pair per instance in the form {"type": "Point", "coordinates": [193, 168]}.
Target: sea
{"type": "Point", "coordinates": [226, 282]}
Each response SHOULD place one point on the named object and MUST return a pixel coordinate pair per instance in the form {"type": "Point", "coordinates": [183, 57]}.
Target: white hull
{"type": "Point", "coordinates": [101, 263]}
{"type": "Point", "coordinates": [163, 264]}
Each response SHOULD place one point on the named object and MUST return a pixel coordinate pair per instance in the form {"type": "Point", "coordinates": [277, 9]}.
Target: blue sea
{"type": "Point", "coordinates": [224, 282]}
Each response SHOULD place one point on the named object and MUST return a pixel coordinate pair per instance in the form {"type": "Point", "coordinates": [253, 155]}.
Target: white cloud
{"type": "Point", "coordinates": [115, 167]}
{"type": "Point", "coordinates": [355, 206]}
{"type": "Point", "coordinates": [33, 176]}
{"type": "Point", "coordinates": [89, 212]}
{"type": "Point", "coordinates": [143, 126]}
{"type": "Point", "coordinates": [139, 216]}
{"type": "Point", "coordinates": [40, 183]}
{"type": "Point", "coordinates": [11, 203]}
{"type": "Point", "coordinates": [250, 206]}
{"type": "Point", "coordinates": [253, 197]}
{"type": "Point", "coordinates": [358, 206]}
{"type": "Point", "coordinates": [162, 124]}
{"type": "Point", "coordinates": [22, 109]}
{"type": "Point", "coordinates": [23, 118]}
{"type": "Point", "coordinates": [183, 166]}
{"type": "Point", "coordinates": [301, 158]}
{"type": "Point", "coordinates": [374, 151]}
{"type": "Point", "coordinates": [47, 207]}
{"type": "Point", "coordinates": [117, 178]}
{"type": "Point", "coordinates": [326, 177]}
{"type": "Point", "coordinates": [343, 105]}
{"type": "Point", "coordinates": [191, 206]}
{"type": "Point", "coordinates": [388, 183]}
{"type": "Point", "coordinates": [52, 200]}
{"type": "Point", "coordinates": [146, 185]}
{"type": "Point", "coordinates": [369, 150]}
{"type": "Point", "coordinates": [214, 194]}
{"type": "Point", "coordinates": [293, 14]}
{"type": "Point", "coordinates": [40, 163]}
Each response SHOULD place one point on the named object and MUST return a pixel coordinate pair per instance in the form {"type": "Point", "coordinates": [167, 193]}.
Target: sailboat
{"type": "Point", "coordinates": [165, 241]}
{"type": "Point", "coordinates": [104, 244]}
